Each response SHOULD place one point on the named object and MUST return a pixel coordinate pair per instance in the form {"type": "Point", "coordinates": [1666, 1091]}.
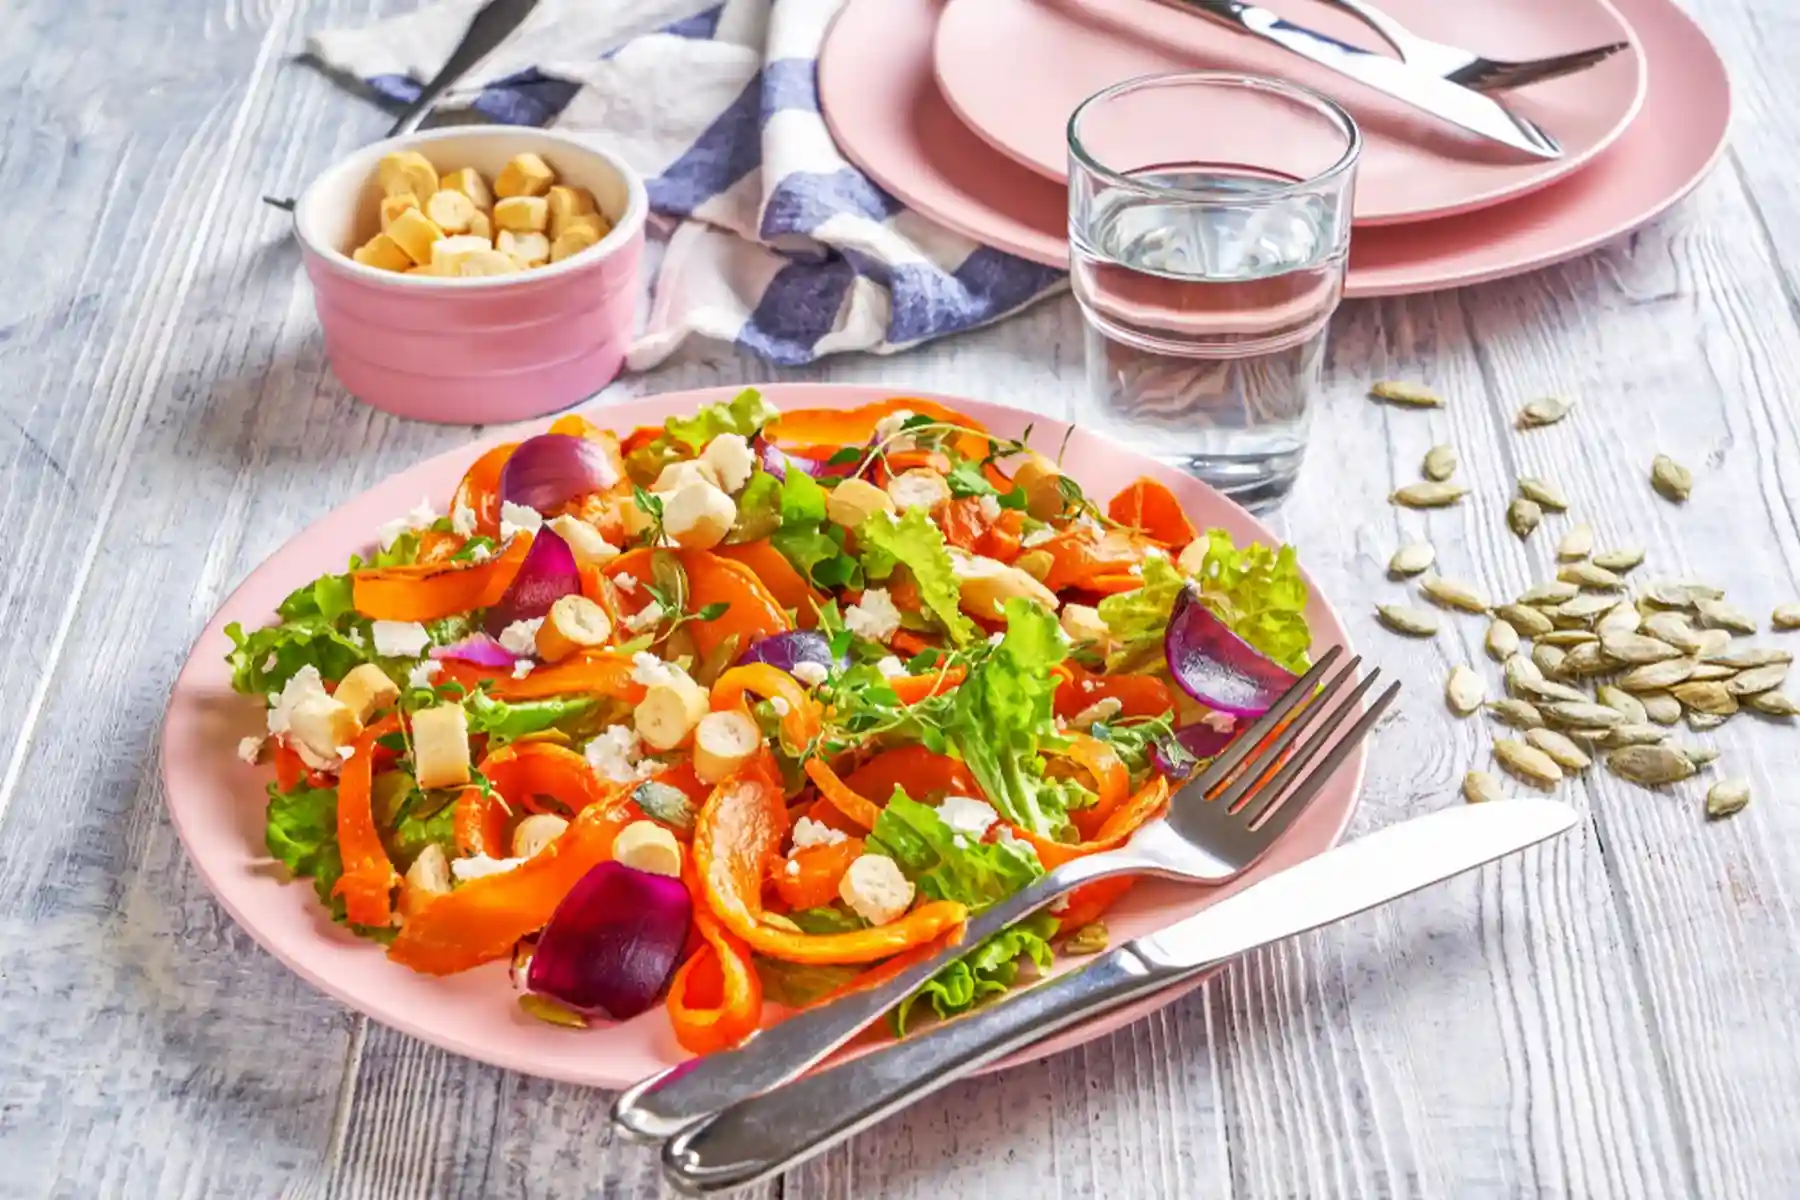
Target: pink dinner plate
{"type": "Point", "coordinates": [1014, 70]}
{"type": "Point", "coordinates": [892, 122]}
{"type": "Point", "coordinates": [217, 802]}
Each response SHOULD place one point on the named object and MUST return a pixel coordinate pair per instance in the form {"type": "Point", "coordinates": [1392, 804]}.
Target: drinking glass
{"type": "Point", "coordinates": [1209, 227]}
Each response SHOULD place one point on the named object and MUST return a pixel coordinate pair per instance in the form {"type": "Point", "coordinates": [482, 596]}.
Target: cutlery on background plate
{"type": "Point", "coordinates": [492, 24]}
{"type": "Point", "coordinates": [1468, 69]}
{"type": "Point", "coordinates": [1201, 839]}
{"type": "Point", "coordinates": [1404, 81]}
{"type": "Point", "coordinates": [767, 1134]}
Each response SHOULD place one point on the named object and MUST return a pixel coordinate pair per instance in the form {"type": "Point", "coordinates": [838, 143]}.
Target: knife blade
{"type": "Point", "coordinates": [769, 1133]}
{"type": "Point", "coordinates": [1422, 90]}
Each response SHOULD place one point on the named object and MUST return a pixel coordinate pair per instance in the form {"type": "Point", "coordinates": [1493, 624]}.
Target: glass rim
{"type": "Point", "coordinates": [1319, 103]}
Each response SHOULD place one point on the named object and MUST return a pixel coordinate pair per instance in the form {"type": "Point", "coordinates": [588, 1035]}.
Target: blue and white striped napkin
{"type": "Point", "coordinates": [776, 244]}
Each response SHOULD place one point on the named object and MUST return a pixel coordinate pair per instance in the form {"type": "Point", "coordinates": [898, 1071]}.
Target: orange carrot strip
{"type": "Point", "coordinates": [429, 591]}
{"type": "Point", "coordinates": [369, 877]}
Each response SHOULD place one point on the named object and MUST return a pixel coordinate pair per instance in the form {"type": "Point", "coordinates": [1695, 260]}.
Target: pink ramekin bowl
{"type": "Point", "coordinates": [474, 351]}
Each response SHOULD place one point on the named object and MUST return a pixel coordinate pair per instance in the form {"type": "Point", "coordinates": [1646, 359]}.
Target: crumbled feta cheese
{"type": "Point", "coordinates": [423, 673]}
{"type": "Point", "coordinates": [1136, 569]}
{"type": "Point", "coordinates": [965, 814]}
{"type": "Point", "coordinates": [584, 541]}
{"type": "Point", "coordinates": [519, 518]}
{"type": "Point", "coordinates": [810, 673]}
{"type": "Point", "coordinates": [808, 832]}
{"type": "Point", "coordinates": [626, 582]}
{"type": "Point", "coordinates": [1038, 537]}
{"type": "Point", "coordinates": [1219, 722]}
{"type": "Point", "coordinates": [874, 616]}
{"type": "Point", "coordinates": [645, 617]}
{"type": "Point", "coordinates": [304, 683]}
{"type": "Point", "coordinates": [250, 749]}
{"type": "Point", "coordinates": [994, 639]}
{"type": "Point", "coordinates": [1155, 552]}
{"type": "Point", "coordinates": [479, 866]}
{"type": "Point", "coordinates": [781, 707]}
{"type": "Point", "coordinates": [729, 455]}
{"type": "Point", "coordinates": [1103, 709]}
{"type": "Point", "coordinates": [346, 752]}
{"type": "Point", "coordinates": [520, 638]}
{"type": "Point", "coordinates": [420, 517]}
{"type": "Point", "coordinates": [616, 753]}
{"type": "Point", "coordinates": [522, 668]}
{"type": "Point", "coordinates": [462, 520]}
{"type": "Point", "coordinates": [650, 670]}
{"type": "Point", "coordinates": [875, 889]}
{"type": "Point", "coordinates": [399, 639]}
{"type": "Point", "coordinates": [891, 667]}
{"type": "Point", "coordinates": [480, 554]}
{"type": "Point", "coordinates": [989, 507]}
{"type": "Point", "coordinates": [889, 427]}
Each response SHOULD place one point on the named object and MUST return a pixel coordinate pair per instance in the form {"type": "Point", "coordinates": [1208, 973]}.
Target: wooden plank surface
{"type": "Point", "coordinates": [1611, 1016]}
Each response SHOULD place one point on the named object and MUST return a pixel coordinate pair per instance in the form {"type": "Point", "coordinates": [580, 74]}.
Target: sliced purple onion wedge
{"type": "Point", "coordinates": [1217, 667]}
{"type": "Point", "coordinates": [548, 573]}
{"type": "Point", "coordinates": [613, 942]}
{"type": "Point", "coordinates": [552, 469]}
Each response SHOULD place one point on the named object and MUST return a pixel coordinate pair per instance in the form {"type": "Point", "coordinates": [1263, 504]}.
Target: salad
{"type": "Point", "coordinates": [752, 707]}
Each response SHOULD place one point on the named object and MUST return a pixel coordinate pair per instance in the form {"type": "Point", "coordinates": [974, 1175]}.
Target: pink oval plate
{"type": "Point", "coordinates": [894, 124]}
{"type": "Point", "coordinates": [217, 802]}
{"type": "Point", "coordinates": [1014, 70]}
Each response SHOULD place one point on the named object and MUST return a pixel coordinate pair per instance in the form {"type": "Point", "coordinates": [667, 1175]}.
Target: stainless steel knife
{"type": "Point", "coordinates": [767, 1134]}
{"type": "Point", "coordinates": [1410, 85]}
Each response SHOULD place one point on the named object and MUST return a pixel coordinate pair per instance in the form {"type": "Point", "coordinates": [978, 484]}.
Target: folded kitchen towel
{"type": "Point", "coordinates": [775, 242]}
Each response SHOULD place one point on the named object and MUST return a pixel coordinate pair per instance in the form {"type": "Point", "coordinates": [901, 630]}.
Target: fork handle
{"type": "Point", "coordinates": [766, 1135]}
{"type": "Point", "coordinates": [682, 1096]}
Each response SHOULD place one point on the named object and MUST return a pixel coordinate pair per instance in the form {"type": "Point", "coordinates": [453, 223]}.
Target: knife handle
{"type": "Point", "coordinates": [492, 24]}
{"type": "Point", "coordinates": [765, 1135]}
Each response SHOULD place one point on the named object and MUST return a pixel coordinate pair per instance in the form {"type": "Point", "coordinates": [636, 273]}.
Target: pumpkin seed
{"type": "Point", "coordinates": [1451, 593]}
{"type": "Point", "coordinates": [1726, 797]}
{"type": "Point", "coordinates": [1582, 713]}
{"type": "Point", "coordinates": [1567, 638]}
{"type": "Point", "coordinates": [1587, 575]}
{"type": "Point", "coordinates": [1429, 494]}
{"type": "Point", "coordinates": [1413, 622]}
{"type": "Point", "coordinates": [1478, 787]}
{"type": "Point", "coordinates": [1523, 516]}
{"type": "Point", "coordinates": [550, 1011]}
{"type": "Point", "coordinates": [1546, 496]}
{"type": "Point", "coordinates": [1547, 411]}
{"type": "Point", "coordinates": [1671, 480]}
{"type": "Point", "coordinates": [1578, 542]}
{"type": "Point", "coordinates": [1709, 671]}
{"type": "Point", "coordinates": [1758, 680]}
{"type": "Point", "coordinates": [1526, 620]}
{"type": "Point", "coordinates": [1036, 563]}
{"type": "Point", "coordinates": [1622, 617]}
{"type": "Point", "coordinates": [1563, 752]}
{"type": "Point", "coordinates": [1411, 558]}
{"type": "Point", "coordinates": [1407, 395]}
{"type": "Point", "coordinates": [1502, 641]}
{"type": "Point", "coordinates": [1700, 756]}
{"type": "Point", "coordinates": [1634, 649]}
{"type": "Point", "coordinates": [1703, 721]}
{"type": "Point", "coordinates": [1708, 642]}
{"type": "Point", "coordinates": [1581, 610]}
{"type": "Point", "coordinates": [1089, 939]}
{"type": "Point", "coordinates": [1671, 627]}
{"type": "Point", "coordinates": [1785, 616]}
{"type": "Point", "coordinates": [1464, 691]}
{"type": "Point", "coordinates": [1527, 762]}
{"type": "Point", "coordinates": [1651, 766]}
{"type": "Point", "coordinates": [1680, 593]}
{"type": "Point", "coordinates": [1773, 704]}
{"type": "Point", "coordinates": [1547, 689]}
{"type": "Point", "coordinates": [1549, 659]}
{"type": "Point", "coordinates": [1751, 656]}
{"type": "Point", "coordinates": [1555, 592]}
{"type": "Point", "coordinates": [1620, 560]}
{"type": "Point", "coordinates": [1520, 671]}
{"type": "Point", "coordinates": [1587, 659]}
{"type": "Point", "coordinates": [1709, 697]}
{"type": "Point", "coordinates": [1718, 614]}
{"type": "Point", "coordinates": [1656, 677]}
{"type": "Point", "coordinates": [1635, 733]}
{"type": "Point", "coordinates": [1661, 707]}
{"type": "Point", "coordinates": [1624, 701]}
{"type": "Point", "coordinates": [1520, 714]}
{"type": "Point", "coordinates": [1440, 463]}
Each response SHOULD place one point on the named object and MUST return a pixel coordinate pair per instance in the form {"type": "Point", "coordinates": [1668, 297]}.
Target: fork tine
{"type": "Point", "coordinates": [1263, 800]}
{"type": "Point", "coordinates": [1241, 783]}
{"type": "Point", "coordinates": [1234, 753]}
{"type": "Point", "coordinates": [1278, 821]}
{"type": "Point", "coordinates": [1499, 76]}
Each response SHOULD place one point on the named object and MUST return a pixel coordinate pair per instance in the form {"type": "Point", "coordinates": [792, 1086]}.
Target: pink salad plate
{"type": "Point", "coordinates": [217, 801]}
{"type": "Point", "coordinates": [888, 117]}
{"type": "Point", "coordinates": [1014, 70]}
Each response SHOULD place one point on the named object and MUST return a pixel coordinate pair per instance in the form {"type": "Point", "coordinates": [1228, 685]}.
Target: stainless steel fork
{"type": "Point", "coordinates": [1463, 67]}
{"type": "Point", "coordinates": [1217, 824]}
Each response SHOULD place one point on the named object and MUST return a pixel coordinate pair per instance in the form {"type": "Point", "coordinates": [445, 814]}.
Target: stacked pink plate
{"type": "Point", "coordinates": [958, 107]}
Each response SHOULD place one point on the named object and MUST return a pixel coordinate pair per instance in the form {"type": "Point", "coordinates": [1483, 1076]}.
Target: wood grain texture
{"type": "Point", "coordinates": [1610, 1016]}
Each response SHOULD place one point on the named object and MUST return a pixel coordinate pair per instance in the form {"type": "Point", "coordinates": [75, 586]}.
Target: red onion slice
{"type": "Point", "coordinates": [779, 462]}
{"type": "Point", "coordinates": [553, 468]}
{"type": "Point", "coordinates": [785, 651]}
{"type": "Point", "coordinates": [1217, 667]}
{"type": "Point", "coordinates": [548, 573]}
{"type": "Point", "coordinates": [613, 942]}
{"type": "Point", "coordinates": [477, 648]}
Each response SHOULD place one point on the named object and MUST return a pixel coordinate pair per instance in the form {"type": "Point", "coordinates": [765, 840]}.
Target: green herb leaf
{"type": "Point", "coordinates": [915, 542]}
{"type": "Point", "coordinates": [947, 865]}
{"type": "Point", "coordinates": [506, 721]}
{"type": "Point", "coordinates": [713, 611]}
{"type": "Point", "coordinates": [684, 437]}
{"type": "Point", "coordinates": [986, 971]}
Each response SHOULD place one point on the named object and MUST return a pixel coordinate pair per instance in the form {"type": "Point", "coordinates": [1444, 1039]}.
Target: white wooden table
{"type": "Point", "coordinates": [1615, 1016]}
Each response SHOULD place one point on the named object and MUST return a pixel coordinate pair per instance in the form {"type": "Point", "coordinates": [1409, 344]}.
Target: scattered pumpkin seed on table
{"type": "Point", "coordinates": [1554, 592]}
{"type": "Point", "coordinates": [1587, 659]}
{"type": "Point", "coordinates": [1709, 697]}
{"type": "Point", "coordinates": [1622, 617]}
{"type": "Point", "coordinates": [1720, 614]}
{"type": "Point", "coordinates": [1519, 714]}
{"type": "Point", "coordinates": [1700, 756]}
{"type": "Point", "coordinates": [1502, 640]}
{"type": "Point", "coordinates": [1650, 766]}
{"type": "Point", "coordinates": [1464, 691]}
{"type": "Point", "coordinates": [1635, 733]}
{"type": "Point", "coordinates": [1583, 714]}
{"type": "Point", "coordinates": [1773, 704]}
{"type": "Point", "coordinates": [1704, 672]}
{"type": "Point", "coordinates": [1702, 721]}
{"type": "Point", "coordinates": [1785, 616]}
{"type": "Point", "coordinates": [1680, 593]}
{"type": "Point", "coordinates": [1413, 622]}
{"type": "Point", "coordinates": [1407, 395]}
{"type": "Point", "coordinates": [1429, 494]}
{"type": "Point", "coordinates": [1525, 619]}
{"type": "Point", "coordinates": [1750, 656]}
{"type": "Point", "coordinates": [1660, 707]}
{"type": "Point", "coordinates": [1707, 642]}
{"type": "Point", "coordinates": [1453, 593]}
{"type": "Point", "coordinates": [1587, 575]}
{"type": "Point", "coordinates": [1565, 753]}
{"type": "Point", "coordinates": [1411, 558]}
{"type": "Point", "coordinates": [1546, 496]}
{"type": "Point", "coordinates": [1546, 411]}
{"type": "Point", "coordinates": [1576, 542]}
{"type": "Point", "coordinates": [1671, 480]}
{"type": "Point", "coordinates": [1635, 649]}
{"type": "Point", "coordinates": [1657, 677]}
{"type": "Point", "coordinates": [1523, 516]}
{"type": "Point", "coordinates": [1519, 671]}
{"type": "Point", "coordinates": [1527, 762]}
{"type": "Point", "coordinates": [1624, 701]}
{"type": "Point", "coordinates": [1757, 680]}
{"type": "Point", "coordinates": [1478, 787]}
{"type": "Point", "coordinates": [1547, 658]}
{"type": "Point", "coordinates": [1440, 463]}
{"type": "Point", "coordinates": [1671, 627]}
{"type": "Point", "coordinates": [1567, 639]}
{"type": "Point", "coordinates": [1726, 797]}
{"type": "Point", "coordinates": [1582, 610]}
{"type": "Point", "coordinates": [1620, 560]}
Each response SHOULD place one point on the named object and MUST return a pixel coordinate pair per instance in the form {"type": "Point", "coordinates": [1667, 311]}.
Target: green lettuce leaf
{"type": "Point", "coordinates": [827, 919]}
{"type": "Point", "coordinates": [797, 985]}
{"type": "Point", "coordinates": [316, 627]}
{"type": "Point", "coordinates": [302, 827]}
{"type": "Point", "coordinates": [915, 543]}
{"type": "Point", "coordinates": [944, 864]}
{"type": "Point", "coordinates": [808, 540]}
{"type": "Point", "coordinates": [1138, 619]}
{"type": "Point", "coordinates": [503, 721]}
{"type": "Point", "coordinates": [986, 971]}
{"type": "Point", "coordinates": [684, 437]}
{"type": "Point", "coordinates": [758, 508]}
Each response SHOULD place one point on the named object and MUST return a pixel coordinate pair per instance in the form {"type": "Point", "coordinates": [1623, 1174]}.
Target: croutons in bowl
{"type": "Point", "coordinates": [422, 322]}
